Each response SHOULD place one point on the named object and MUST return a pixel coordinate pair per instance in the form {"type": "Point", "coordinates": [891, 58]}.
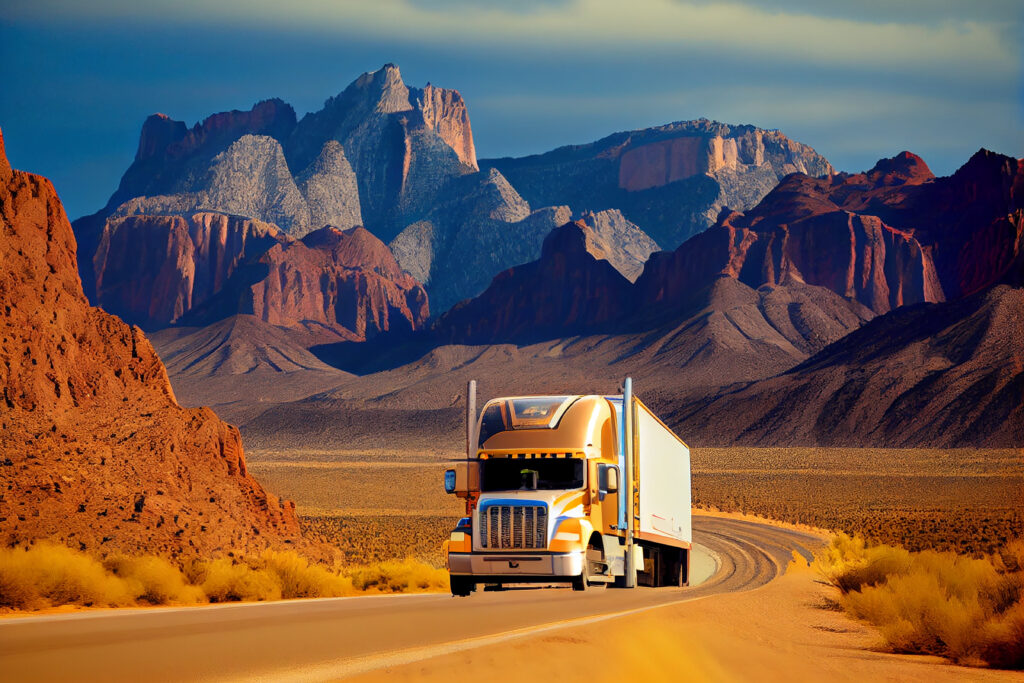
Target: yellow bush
{"type": "Point", "coordinates": [155, 580]}
{"type": "Point", "coordinates": [224, 580]}
{"type": "Point", "coordinates": [48, 574]}
{"type": "Point", "coordinates": [399, 576]}
{"type": "Point", "coordinates": [967, 609]}
{"type": "Point", "coordinates": [297, 578]}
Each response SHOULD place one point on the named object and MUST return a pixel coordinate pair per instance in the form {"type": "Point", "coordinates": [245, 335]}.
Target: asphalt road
{"type": "Point", "coordinates": [330, 638]}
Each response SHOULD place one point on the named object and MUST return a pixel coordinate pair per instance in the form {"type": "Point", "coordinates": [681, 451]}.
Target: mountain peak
{"type": "Point", "coordinates": [906, 168]}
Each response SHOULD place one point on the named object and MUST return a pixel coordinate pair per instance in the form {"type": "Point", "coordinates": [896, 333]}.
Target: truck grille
{"type": "Point", "coordinates": [514, 526]}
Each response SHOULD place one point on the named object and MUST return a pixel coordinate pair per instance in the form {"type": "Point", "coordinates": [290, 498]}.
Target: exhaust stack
{"type": "Point", "coordinates": [471, 419]}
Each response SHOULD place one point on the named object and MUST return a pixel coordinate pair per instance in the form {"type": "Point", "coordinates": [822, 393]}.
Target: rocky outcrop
{"type": "Point", "coordinates": [479, 226]}
{"type": "Point", "coordinates": [932, 375]}
{"type": "Point", "coordinates": [152, 270]}
{"type": "Point", "coordinates": [572, 289]}
{"type": "Point", "coordinates": [376, 154]}
{"type": "Point", "coordinates": [671, 180]}
{"type": "Point", "coordinates": [623, 244]}
{"type": "Point", "coordinates": [94, 450]}
{"type": "Point", "coordinates": [956, 235]}
{"type": "Point", "coordinates": [344, 279]}
{"type": "Point", "coordinates": [858, 257]}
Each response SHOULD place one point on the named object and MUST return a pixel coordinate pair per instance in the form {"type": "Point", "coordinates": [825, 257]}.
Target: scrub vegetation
{"type": "Point", "coordinates": [45, 575]}
{"type": "Point", "coordinates": [968, 609]}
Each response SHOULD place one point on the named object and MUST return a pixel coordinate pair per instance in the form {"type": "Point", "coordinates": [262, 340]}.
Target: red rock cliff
{"type": "Point", "coordinates": [94, 450]}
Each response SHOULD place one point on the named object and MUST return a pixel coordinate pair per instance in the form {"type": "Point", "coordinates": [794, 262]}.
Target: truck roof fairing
{"type": "Point", "coordinates": [548, 424]}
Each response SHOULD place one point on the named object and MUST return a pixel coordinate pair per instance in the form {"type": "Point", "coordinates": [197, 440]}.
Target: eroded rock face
{"type": "Point", "coordinates": [203, 267]}
{"type": "Point", "coordinates": [403, 143]}
{"type": "Point", "coordinates": [152, 270]}
{"type": "Point", "coordinates": [671, 180]}
{"type": "Point", "coordinates": [858, 257]}
{"type": "Point", "coordinates": [94, 450]}
{"type": "Point", "coordinates": [346, 279]}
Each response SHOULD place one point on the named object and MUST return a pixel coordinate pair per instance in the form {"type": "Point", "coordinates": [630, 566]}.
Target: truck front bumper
{"type": "Point", "coordinates": [524, 566]}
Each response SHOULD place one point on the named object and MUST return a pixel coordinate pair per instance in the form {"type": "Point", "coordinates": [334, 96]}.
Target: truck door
{"type": "Point", "coordinates": [608, 482]}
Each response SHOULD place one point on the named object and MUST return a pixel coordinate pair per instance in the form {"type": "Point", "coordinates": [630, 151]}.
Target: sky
{"type": "Point", "coordinates": [856, 80]}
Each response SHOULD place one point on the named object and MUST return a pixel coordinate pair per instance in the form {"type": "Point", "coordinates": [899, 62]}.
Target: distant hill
{"type": "Point", "coordinates": [939, 375]}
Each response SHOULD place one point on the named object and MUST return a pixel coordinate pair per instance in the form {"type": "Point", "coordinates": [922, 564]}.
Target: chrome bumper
{"type": "Point", "coordinates": [525, 564]}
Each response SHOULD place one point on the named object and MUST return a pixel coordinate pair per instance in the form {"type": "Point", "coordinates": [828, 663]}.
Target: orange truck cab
{"type": "Point", "coordinates": [547, 496]}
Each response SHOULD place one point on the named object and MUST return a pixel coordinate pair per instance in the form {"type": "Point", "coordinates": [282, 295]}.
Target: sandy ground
{"type": "Point", "coordinates": [781, 631]}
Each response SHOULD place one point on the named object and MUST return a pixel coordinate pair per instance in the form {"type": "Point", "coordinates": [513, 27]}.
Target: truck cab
{"type": "Point", "coordinates": [544, 494]}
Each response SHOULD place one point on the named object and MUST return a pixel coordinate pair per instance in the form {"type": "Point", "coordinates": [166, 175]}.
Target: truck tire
{"type": "Point", "coordinates": [461, 586]}
{"type": "Point", "coordinates": [580, 583]}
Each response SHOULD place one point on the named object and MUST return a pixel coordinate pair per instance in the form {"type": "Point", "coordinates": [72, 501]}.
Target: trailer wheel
{"type": "Point", "coordinates": [461, 586]}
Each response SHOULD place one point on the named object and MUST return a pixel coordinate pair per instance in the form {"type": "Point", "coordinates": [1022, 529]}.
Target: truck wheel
{"type": "Point", "coordinates": [580, 583]}
{"type": "Point", "coordinates": [461, 586]}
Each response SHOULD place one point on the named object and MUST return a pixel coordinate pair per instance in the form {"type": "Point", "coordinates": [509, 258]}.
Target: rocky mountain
{"type": "Point", "coordinates": [94, 450]}
{"type": "Point", "coordinates": [671, 180]}
{"type": "Point", "coordinates": [929, 375]}
{"type": "Point", "coordinates": [574, 290]}
{"type": "Point", "coordinates": [375, 154]}
{"type": "Point", "coordinates": [480, 226]}
{"type": "Point", "coordinates": [780, 241]}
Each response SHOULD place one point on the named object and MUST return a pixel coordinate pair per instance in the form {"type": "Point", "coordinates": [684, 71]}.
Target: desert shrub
{"type": "Point", "coordinates": [849, 563]}
{"type": "Point", "coordinates": [155, 580]}
{"type": "Point", "coordinates": [297, 578]}
{"type": "Point", "coordinates": [928, 602]}
{"type": "Point", "coordinates": [226, 580]}
{"type": "Point", "coordinates": [46, 574]}
{"type": "Point", "coordinates": [399, 576]}
{"type": "Point", "coordinates": [1003, 639]}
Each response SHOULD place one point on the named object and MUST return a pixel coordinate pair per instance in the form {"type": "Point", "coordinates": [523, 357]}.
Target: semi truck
{"type": "Point", "coordinates": [586, 490]}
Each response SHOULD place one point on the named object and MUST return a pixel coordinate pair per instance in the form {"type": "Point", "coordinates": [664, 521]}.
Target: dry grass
{"type": "Point", "coordinates": [967, 501]}
{"type": "Point", "coordinates": [48, 575]}
{"type": "Point", "coordinates": [968, 609]}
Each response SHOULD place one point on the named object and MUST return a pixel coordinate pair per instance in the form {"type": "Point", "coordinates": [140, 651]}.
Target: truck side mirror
{"type": "Point", "coordinates": [463, 479]}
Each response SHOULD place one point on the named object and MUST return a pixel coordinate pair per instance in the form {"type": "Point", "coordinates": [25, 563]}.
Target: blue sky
{"type": "Point", "coordinates": [856, 80]}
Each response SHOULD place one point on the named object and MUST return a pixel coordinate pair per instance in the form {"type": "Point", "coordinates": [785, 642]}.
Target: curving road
{"type": "Point", "coordinates": [334, 637]}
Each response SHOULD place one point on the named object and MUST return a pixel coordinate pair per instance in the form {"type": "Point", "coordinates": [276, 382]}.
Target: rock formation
{"type": "Point", "coordinates": [203, 267]}
{"type": "Point", "coordinates": [479, 226]}
{"type": "Point", "coordinates": [671, 180]}
{"type": "Point", "coordinates": [344, 279]}
{"type": "Point", "coordinates": [94, 450]}
{"type": "Point", "coordinates": [783, 241]}
{"type": "Point", "coordinates": [152, 270]}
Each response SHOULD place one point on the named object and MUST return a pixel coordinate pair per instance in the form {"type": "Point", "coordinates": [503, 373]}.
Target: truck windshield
{"type": "Point", "coordinates": [532, 412]}
{"type": "Point", "coordinates": [513, 474]}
